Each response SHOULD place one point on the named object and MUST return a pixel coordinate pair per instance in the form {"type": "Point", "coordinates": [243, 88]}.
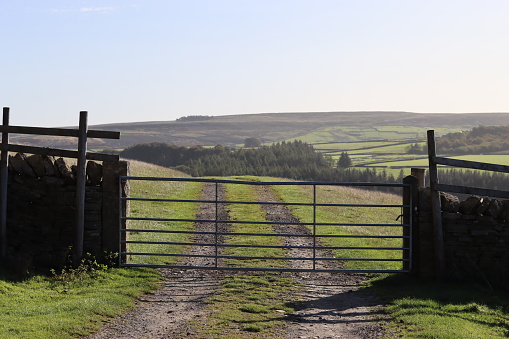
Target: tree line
{"type": "Point", "coordinates": [479, 140]}
{"type": "Point", "coordinates": [293, 160]}
{"type": "Point", "coordinates": [481, 179]}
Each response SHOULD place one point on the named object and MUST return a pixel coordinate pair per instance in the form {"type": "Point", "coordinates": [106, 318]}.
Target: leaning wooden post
{"type": "Point", "coordinates": [3, 187]}
{"type": "Point", "coordinates": [410, 254]}
{"type": "Point", "coordinates": [436, 209]}
{"type": "Point", "coordinates": [81, 178]}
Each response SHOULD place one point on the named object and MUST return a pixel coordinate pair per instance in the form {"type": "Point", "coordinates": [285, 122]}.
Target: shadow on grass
{"type": "Point", "coordinates": [415, 301]}
{"type": "Point", "coordinates": [396, 286]}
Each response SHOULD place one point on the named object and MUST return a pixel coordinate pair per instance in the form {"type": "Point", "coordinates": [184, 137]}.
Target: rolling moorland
{"type": "Point", "coordinates": [313, 128]}
{"type": "Point", "coordinates": [375, 140]}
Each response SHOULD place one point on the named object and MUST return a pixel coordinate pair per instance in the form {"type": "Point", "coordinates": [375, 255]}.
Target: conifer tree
{"type": "Point", "coordinates": [344, 160]}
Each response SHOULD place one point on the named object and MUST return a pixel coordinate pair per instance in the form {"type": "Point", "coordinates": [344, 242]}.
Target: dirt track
{"type": "Point", "coordinates": [331, 305]}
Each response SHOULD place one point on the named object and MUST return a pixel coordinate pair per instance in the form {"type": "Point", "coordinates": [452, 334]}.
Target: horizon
{"type": "Point", "coordinates": [155, 60]}
{"type": "Point", "coordinates": [263, 113]}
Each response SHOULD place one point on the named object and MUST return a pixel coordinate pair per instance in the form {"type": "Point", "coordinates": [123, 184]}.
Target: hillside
{"type": "Point", "coordinates": [231, 130]}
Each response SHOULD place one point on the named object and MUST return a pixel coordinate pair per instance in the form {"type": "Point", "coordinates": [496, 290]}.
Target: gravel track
{"type": "Point", "coordinates": [330, 304]}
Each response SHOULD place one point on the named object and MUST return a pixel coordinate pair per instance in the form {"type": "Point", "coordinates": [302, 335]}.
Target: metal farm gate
{"type": "Point", "coordinates": [266, 226]}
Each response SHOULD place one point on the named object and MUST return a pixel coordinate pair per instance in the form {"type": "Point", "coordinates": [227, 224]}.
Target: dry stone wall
{"type": "Point", "coordinates": [476, 237]}
{"type": "Point", "coordinates": [41, 210]}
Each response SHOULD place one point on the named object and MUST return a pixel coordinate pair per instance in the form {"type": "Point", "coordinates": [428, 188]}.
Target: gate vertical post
{"type": "Point", "coordinates": [436, 208]}
{"type": "Point", "coordinates": [3, 187]}
{"type": "Point", "coordinates": [314, 226]}
{"type": "Point", "coordinates": [115, 207]}
{"type": "Point", "coordinates": [217, 225]}
{"type": "Point", "coordinates": [411, 252]}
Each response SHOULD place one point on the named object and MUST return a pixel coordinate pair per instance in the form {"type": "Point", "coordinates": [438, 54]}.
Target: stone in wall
{"type": "Point", "coordinates": [469, 205]}
{"type": "Point", "coordinates": [65, 171]}
{"type": "Point", "coordinates": [494, 209]}
{"type": "Point", "coordinates": [49, 166]}
{"type": "Point", "coordinates": [504, 213]}
{"type": "Point", "coordinates": [483, 206]}
{"type": "Point", "coordinates": [94, 173]}
{"type": "Point", "coordinates": [449, 202]}
{"type": "Point", "coordinates": [36, 162]}
{"type": "Point", "coordinates": [19, 163]}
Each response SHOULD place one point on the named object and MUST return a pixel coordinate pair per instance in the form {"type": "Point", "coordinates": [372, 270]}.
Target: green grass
{"type": "Point", "coordinates": [59, 307]}
{"type": "Point", "coordinates": [44, 307]}
{"type": "Point", "coordinates": [254, 213]}
{"type": "Point", "coordinates": [247, 307]}
{"type": "Point", "coordinates": [449, 310]}
{"type": "Point", "coordinates": [174, 210]}
{"type": "Point", "coordinates": [422, 161]}
{"type": "Point", "coordinates": [364, 215]}
{"type": "Point", "coordinates": [348, 146]}
{"type": "Point", "coordinates": [342, 133]}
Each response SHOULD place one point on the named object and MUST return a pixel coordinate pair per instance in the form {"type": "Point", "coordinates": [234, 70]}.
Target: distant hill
{"type": "Point", "coordinates": [232, 130]}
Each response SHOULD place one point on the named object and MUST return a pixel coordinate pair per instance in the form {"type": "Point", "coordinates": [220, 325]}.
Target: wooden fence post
{"type": "Point", "coordinates": [410, 199]}
{"type": "Point", "coordinates": [3, 188]}
{"type": "Point", "coordinates": [81, 180]}
{"type": "Point", "coordinates": [420, 174]}
{"type": "Point", "coordinates": [436, 209]}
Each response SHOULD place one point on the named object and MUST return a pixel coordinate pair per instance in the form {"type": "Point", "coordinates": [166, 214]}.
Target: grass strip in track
{"type": "Point", "coordinates": [254, 213]}
{"type": "Point", "coordinates": [247, 307]}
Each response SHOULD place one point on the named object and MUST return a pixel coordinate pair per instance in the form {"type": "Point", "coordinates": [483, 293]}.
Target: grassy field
{"type": "Point", "coordinates": [445, 310]}
{"type": "Point", "coordinates": [333, 134]}
{"type": "Point", "coordinates": [423, 162]}
{"type": "Point", "coordinates": [351, 215]}
{"type": "Point", "coordinates": [156, 209]}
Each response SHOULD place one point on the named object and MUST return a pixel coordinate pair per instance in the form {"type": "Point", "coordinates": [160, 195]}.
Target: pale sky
{"type": "Point", "coordinates": [158, 60]}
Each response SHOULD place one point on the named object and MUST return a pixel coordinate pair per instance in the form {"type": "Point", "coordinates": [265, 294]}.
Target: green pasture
{"type": "Point", "coordinates": [389, 149]}
{"type": "Point", "coordinates": [348, 146]}
{"type": "Point", "coordinates": [423, 162]}
{"type": "Point", "coordinates": [380, 159]}
{"type": "Point", "coordinates": [155, 209]}
{"type": "Point", "coordinates": [341, 133]}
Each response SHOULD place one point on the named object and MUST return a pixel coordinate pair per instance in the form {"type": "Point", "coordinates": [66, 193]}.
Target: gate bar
{"type": "Point", "coordinates": [314, 246]}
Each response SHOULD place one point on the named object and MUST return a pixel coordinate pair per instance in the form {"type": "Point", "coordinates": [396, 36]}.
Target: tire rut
{"type": "Point", "coordinates": [165, 312]}
{"type": "Point", "coordinates": [331, 304]}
